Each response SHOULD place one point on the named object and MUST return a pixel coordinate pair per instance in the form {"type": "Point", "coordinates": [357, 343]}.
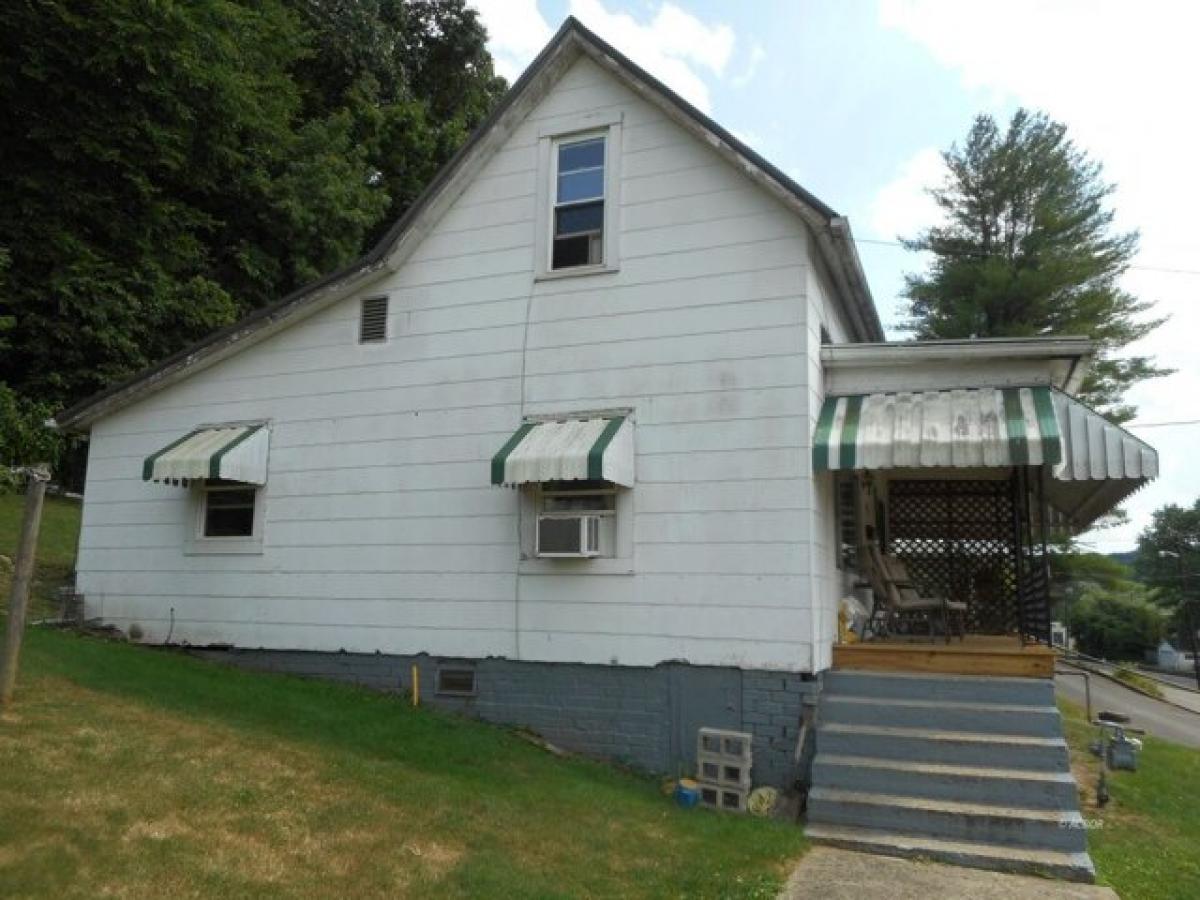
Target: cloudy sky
{"type": "Point", "coordinates": [855, 99]}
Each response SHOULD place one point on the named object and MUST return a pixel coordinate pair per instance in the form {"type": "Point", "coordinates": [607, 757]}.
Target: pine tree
{"type": "Point", "coordinates": [1027, 248]}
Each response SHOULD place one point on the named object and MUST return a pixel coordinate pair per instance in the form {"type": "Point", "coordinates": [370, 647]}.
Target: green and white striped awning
{"type": "Point", "coordinates": [594, 449]}
{"type": "Point", "coordinates": [960, 429]}
{"type": "Point", "coordinates": [1093, 464]}
{"type": "Point", "coordinates": [225, 452]}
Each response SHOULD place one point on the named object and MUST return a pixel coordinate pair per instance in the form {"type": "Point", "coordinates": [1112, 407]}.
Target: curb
{"type": "Point", "coordinates": [1127, 685]}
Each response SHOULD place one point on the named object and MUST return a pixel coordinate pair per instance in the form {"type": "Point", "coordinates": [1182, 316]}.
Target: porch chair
{"type": "Point", "coordinates": [953, 611]}
{"type": "Point", "coordinates": [891, 581]}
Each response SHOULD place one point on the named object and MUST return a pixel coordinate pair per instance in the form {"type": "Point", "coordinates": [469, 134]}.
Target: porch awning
{"type": "Point", "coordinates": [226, 452]}
{"type": "Point", "coordinates": [567, 450]}
{"type": "Point", "coordinates": [1102, 463]}
{"type": "Point", "coordinates": [938, 429]}
{"type": "Point", "coordinates": [1094, 464]}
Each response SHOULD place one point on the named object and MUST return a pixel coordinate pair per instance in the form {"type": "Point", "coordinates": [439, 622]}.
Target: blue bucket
{"type": "Point", "coordinates": [687, 793]}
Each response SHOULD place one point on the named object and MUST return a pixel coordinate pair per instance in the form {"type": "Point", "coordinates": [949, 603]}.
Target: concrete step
{"type": "Point", "coordinates": [959, 688]}
{"type": "Point", "coordinates": [943, 781]}
{"type": "Point", "coordinates": [952, 820]}
{"type": "Point", "coordinates": [1047, 754]}
{"type": "Point", "coordinates": [1067, 865]}
{"type": "Point", "coordinates": [1035, 721]}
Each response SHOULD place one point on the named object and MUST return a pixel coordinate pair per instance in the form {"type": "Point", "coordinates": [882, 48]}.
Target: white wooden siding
{"type": "Point", "coordinates": [382, 532]}
{"type": "Point", "coordinates": [827, 579]}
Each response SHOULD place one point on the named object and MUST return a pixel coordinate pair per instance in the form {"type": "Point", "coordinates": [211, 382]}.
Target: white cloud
{"type": "Point", "coordinates": [675, 46]}
{"type": "Point", "coordinates": [1122, 78]}
{"type": "Point", "coordinates": [757, 54]}
{"type": "Point", "coordinates": [516, 32]}
{"type": "Point", "coordinates": [902, 207]}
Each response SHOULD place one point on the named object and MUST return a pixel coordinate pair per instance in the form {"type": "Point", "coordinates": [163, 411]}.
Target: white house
{"type": "Point", "coordinates": [1168, 658]}
{"type": "Point", "coordinates": [594, 436]}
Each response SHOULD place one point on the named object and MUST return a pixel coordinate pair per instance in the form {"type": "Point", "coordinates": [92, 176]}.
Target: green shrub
{"type": "Point", "coordinates": [24, 438]}
{"type": "Point", "coordinates": [1118, 624]}
{"type": "Point", "coordinates": [1138, 681]}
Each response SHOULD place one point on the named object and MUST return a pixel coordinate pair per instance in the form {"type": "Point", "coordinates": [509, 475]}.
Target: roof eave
{"type": "Point", "coordinates": [385, 256]}
{"type": "Point", "coordinates": [831, 230]}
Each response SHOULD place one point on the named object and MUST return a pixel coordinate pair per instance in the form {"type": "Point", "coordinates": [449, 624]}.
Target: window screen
{"type": "Point", "coordinates": [847, 522]}
{"type": "Point", "coordinates": [578, 497]}
{"type": "Point", "coordinates": [229, 512]}
{"type": "Point", "coordinates": [579, 205]}
{"type": "Point", "coordinates": [372, 323]}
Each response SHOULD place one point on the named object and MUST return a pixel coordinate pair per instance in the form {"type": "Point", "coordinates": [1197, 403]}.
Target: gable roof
{"type": "Point", "coordinates": [831, 231]}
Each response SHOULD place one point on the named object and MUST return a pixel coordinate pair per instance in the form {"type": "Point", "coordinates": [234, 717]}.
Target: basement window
{"type": "Point", "coordinates": [456, 682]}
{"type": "Point", "coordinates": [373, 320]}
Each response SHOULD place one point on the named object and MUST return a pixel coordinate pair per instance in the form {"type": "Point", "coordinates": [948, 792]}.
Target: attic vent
{"type": "Point", "coordinates": [372, 323]}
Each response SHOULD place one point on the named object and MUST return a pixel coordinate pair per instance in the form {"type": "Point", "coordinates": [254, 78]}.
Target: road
{"type": "Point", "coordinates": [1184, 681]}
{"type": "Point", "coordinates": [1157, 718]}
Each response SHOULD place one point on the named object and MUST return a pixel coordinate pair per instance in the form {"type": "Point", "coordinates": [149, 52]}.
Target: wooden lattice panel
{"type": "Point", "coordinates": [958, 539]}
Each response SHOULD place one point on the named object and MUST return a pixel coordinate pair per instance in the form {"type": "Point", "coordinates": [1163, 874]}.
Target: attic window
{"type": "Point", "coordinates": [373, 320]}
{"type": "Point", "coordinates": [578, 238]}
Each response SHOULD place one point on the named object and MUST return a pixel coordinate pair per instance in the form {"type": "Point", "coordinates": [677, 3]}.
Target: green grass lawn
{"type": "Point", "coordinates": [134, 772]}
{"type": "Point", "coordinates": [1146, 841]}
{"type": "Point", "coordinates": [56, 549]}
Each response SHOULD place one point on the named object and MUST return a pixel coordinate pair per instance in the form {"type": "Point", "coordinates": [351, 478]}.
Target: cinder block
{"type": "Point", "coordinates": [723, 771]}
{"type": "Point", "coordinates": [719, 742]}
{"type": "Point", "coordinates": [725, 799]}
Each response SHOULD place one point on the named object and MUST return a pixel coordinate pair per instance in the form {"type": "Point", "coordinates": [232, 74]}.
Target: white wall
{"type": "Point", "coordinates": [382, 531]}
{"type": "Point", "coordinates": [827, 578]}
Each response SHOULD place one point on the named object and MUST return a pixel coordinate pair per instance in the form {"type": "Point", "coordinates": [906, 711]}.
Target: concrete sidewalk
{"type": "Point", "coordinates": [827, 873]}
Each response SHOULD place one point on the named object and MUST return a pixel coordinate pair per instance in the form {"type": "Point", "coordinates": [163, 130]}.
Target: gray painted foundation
{"type": "Point", "coordinates": [642, 717]}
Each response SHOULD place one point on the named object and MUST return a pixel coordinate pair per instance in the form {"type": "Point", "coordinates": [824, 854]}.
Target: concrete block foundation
{"type": "Point", "coordinates": [646, 718]}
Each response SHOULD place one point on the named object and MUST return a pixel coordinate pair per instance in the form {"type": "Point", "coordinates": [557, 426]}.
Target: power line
{"type": "Point", "coordinates": [1166, 269]}
{"type": "Point", "coordinates": [1163, 424]}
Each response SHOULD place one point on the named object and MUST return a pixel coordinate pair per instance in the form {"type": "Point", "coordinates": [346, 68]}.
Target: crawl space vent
{"type": "Point", "coordinates": [460, 682]}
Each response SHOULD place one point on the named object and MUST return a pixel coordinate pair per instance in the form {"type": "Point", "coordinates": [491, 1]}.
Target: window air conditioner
{"type": "Point", "coordinates": [568, 536]}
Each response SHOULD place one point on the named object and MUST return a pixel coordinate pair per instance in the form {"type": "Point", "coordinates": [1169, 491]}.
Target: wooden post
{"type": "Point", "coordinates": [18, 602]}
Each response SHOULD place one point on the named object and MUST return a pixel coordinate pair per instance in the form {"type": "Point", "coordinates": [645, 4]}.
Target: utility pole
{"type": "Point", "coordinates": [18, 602]}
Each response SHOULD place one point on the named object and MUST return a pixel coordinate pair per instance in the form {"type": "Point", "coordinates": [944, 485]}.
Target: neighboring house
{"type": "Point", "coordinates": [1060, 636]}
{"type": "Point", "coordinates": [1172, 660]}
{"type": "Point", "coordinates": [594, 437]}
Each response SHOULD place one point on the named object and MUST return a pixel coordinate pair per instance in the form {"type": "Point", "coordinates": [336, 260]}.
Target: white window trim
{"type": "Point", "coordinates": [565, 131]}
{"type": "Point", "coordinates": [617, 561]}
{"type": "Point", "coordinates": [198, 544]}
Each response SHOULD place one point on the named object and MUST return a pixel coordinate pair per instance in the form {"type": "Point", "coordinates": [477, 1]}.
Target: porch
{"type": "Point", "coordinates": [975, 654]}
{"type": "Point", "coordinates": [949, 467]}
{"type": "Point", "coordinates": [947, 504]}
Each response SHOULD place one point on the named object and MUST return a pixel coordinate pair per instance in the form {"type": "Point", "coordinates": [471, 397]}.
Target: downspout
{"type": "Point", "coordinates": [521, 417]}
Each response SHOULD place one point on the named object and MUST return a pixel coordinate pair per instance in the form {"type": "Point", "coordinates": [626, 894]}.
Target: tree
{"type": "Point", "coordinates": [24, 439]}
{"type": "Point", "coordinates": [170, 166]}
{"type": "Point", "coordinates": [1026, 248]}
{"type": "Point", "coordinates": [1116, 624]}
{"type": "Point", "coordinates": [416, 77]}
{"type": "Point", "coordinates": [1169, 560]}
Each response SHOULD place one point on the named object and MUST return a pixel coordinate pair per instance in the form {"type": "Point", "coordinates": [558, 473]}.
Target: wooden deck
{"type": "Point", "coordinates": [975, 655]}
